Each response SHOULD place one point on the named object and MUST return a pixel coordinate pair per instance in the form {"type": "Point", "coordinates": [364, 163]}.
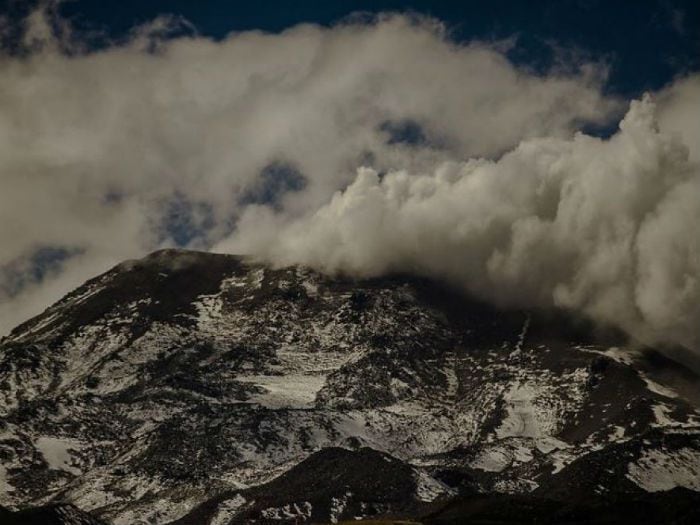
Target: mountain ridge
{"type": "Point", "coordinates": [167, 380]}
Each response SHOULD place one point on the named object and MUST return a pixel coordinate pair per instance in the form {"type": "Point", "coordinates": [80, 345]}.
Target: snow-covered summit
{"type": "Point", "coordinates": [188, 383]}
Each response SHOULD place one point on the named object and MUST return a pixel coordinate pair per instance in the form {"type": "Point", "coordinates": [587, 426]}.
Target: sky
{"type": "Point", "coordinates": [646, 43]}
{"type": "Point", "coordinates": [535, 154]}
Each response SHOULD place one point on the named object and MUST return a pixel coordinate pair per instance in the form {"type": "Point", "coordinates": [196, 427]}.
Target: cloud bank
{"type": "Point", "coordinates": [470, 167]}
{"type": "Point", "coordinates": [603, 227]}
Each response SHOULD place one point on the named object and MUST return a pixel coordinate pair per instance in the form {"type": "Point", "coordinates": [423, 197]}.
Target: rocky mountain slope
{"type": "Point", "coordinates": [199, 388]}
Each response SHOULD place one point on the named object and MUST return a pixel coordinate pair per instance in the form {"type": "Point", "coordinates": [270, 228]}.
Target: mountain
{"type": "Point", "coordinates": [198, 388]}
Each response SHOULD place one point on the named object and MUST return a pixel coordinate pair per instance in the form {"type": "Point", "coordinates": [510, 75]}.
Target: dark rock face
{"type": "Point", "coordinates": [64, 514]}
{"type": "Point", "coordinates": [331, 484]}
{"type": "Point", "coordinates": [677, 506]}
{"type": "Point", "coordinates": [207, 389]}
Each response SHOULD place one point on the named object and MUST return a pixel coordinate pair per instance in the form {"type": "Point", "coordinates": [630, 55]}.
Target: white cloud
{"type": "Point", "coordinates": [94, 145]}
{"type": "Point", "coordinates": [678, 112]}
{"type": "Point", "coordinates": [603, 227]}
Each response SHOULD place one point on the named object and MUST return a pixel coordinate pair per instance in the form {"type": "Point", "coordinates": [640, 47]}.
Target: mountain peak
{"type": "Point", "coordinates": [187, 380]}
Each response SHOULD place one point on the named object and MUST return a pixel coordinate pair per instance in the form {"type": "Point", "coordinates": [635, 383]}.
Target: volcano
{"type": "Point", "coordinates": [197, 388]}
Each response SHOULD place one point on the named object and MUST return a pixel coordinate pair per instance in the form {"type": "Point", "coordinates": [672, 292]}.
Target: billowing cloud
{"type": "Point", "coordinates": [170, 138]}
{"type": "Point", "coordinates": [603, 227]}
{"type": "Point", "coordinates": [100, 150]}
{"type": "Point", "coordinates": [678, 112]}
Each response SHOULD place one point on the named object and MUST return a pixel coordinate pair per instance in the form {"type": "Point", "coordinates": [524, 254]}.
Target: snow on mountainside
{"type": "Point", "coordinates": [190, 386]}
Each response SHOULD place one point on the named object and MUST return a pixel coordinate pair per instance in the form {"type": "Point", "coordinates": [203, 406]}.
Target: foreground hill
{"type": "Point", "coordinates": [199, 388]}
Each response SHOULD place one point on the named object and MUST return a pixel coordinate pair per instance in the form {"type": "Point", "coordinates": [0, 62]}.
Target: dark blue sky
{"type": "Point", "coordinates": [646, 42]}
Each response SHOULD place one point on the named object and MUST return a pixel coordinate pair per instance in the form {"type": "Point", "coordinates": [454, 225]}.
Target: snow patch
{"type": "Point", "coordinates": [292, 510]}
{"type": "Point", "coordinates": [57, 453]}
{"type": "Point", "coordinates": [228, 509]}
{"type": "Point", "coordinates": [521, 336]}
{"type": "Point", "coordinates": [619, 355]}
{"type": "Point", "coordinates": [560, 459]}
{"type": "Point", "coordinates": [338, 507]}
{"type": "Point", "coordinates": [515, 486]}
{"type": "Point", "coordinates": [523, 455]}
{"type": "Point", "coordinates": [617, 434]}
{"type": "Point", "coordinates": [493, 460]}
{"type": "Point", "coordinates": [288, 391]}
{"type": "Point", "coordinates": [429, 489]}
{"type": "Point", "coordinates": [521, 420]}
{"type": "Point", "coordinates": [5, 486]}
{"type": "Point", "coordinates": [311, 288]}
{"type": "Point", "coordinates": [657, 388]}
{"type": "Point", "coordinates": [658, 470]}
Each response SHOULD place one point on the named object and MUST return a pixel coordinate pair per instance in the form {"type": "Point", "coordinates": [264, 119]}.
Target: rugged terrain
{"type": "Point", "coordinates": [197, 388]}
